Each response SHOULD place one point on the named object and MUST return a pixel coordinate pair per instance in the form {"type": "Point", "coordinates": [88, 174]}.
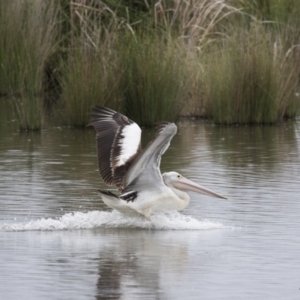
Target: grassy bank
{"type": "Point", "coordinates": [234, 61]}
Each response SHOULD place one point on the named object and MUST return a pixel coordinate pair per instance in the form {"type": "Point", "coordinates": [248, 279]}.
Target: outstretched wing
{"type": "Point", "coordinates": [144, 173]}
{"type": "Point", "coordinates": [118, 144]}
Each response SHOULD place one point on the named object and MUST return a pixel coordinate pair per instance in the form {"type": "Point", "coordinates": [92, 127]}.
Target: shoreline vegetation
{"type": "Point", "coordinates": [235, 61]}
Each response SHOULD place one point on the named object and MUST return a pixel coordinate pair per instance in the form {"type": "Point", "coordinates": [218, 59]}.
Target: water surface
{"type": "Point", "coordinates": [58, 241]}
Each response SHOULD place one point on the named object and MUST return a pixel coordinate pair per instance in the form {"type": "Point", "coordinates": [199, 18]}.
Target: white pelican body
{"type": "Point", "coordinates": [135, 172]}
{"type": "Point", "coordinates": [149, 201]}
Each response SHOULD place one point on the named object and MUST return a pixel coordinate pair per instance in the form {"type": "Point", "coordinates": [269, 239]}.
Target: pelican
{"type": "Point", "coordinates": [135, 172]}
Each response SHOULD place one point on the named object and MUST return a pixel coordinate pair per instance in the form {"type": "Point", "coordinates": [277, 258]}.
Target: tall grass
{"type": "Point", "coordinates": [270, 10]}
{"type": "Point", "coordinates": [197, 22]}
{"type": "Point", "coordinates": [252, 80]}
{"type": "Point", "coordinates": [111, 64]}
{"type": "Point", "coordinates": [288, 49]}
{"type": "Point", "coordinates": [152, 60]}
{"type": "Point", "coordinates": [91, 73]}
{"type": "Point", "coordinates": [89, 77]}
{"type": "Point", "coordinates": [141, 79]}
{"type": "Point", "coordinates": [28, 35]}
{"type": "Point", "coordinates": [152, 80]}
{"type": "Point", "coordinates": [195, 25]}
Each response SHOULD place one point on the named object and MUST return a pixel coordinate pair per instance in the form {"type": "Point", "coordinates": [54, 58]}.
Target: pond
{"type": "Point", "coordinates": [59, 241]}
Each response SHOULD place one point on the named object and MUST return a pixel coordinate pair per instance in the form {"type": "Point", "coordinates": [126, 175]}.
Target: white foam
{"type": "Point", "coordinates": [103, 219]}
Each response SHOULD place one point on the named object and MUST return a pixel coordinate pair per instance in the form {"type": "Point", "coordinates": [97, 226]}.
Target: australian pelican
{"type": "Point", "coordinates": [136, 172]}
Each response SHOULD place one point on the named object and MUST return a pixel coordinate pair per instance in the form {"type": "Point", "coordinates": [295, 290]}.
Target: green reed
{"type": "Point", "coordinates": [152, 80]}
{"type": "Point", "coordinates": [270, 10]}
{"type": "Point", "coordinates": [90, 74]}
{"type": "Point", "coordinates": [28, 34]}
{"type": "Point", "coordinates": [249, 80]}
{"type": "Point", "coordinates": [89, 78]}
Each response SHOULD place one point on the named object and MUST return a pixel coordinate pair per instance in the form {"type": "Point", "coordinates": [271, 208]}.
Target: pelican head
{"type": "Point", "coordinates": [177, 181]}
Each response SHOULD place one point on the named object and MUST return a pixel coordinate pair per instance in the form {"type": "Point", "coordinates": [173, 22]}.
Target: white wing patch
{"type": "Point", "coordinates": [129, 144]}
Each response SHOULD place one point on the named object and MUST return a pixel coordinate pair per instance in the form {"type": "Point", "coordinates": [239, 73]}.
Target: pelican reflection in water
{"type": "Point", "coordinates": [136, 172]}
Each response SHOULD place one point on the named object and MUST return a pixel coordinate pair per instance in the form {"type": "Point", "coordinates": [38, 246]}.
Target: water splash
{"type": "Point", "coordinates": [102, 219]}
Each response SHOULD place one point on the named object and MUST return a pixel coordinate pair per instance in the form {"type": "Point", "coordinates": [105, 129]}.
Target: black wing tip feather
{"type": "Point", "coordinates": [108, 193]}
{"type": "Point", "coordinates": [103, 109]}
{"type": "Point", "coordinates": [98, 112]}
{"type": "Point", "coordinates": [129, 196]}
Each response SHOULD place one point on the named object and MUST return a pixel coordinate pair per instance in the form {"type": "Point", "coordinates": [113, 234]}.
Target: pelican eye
{"type": "Point", "coordinates": [178, 176]}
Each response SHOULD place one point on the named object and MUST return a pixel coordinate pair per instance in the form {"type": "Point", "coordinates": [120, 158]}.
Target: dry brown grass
{"type": "Point", "coordinates": [197, 22]}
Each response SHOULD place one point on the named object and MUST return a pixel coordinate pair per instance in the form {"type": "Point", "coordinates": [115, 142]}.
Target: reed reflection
{"type": "Point", "coordinates": [201, 145]}
{"type": "Point", "coordinates": [133, 261]}
{"type": "Point", "coordinates": [259, 146]}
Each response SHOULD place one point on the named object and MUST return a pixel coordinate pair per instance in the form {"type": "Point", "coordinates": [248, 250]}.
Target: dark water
{"type": "Point", "coordinates": [58, 241]}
